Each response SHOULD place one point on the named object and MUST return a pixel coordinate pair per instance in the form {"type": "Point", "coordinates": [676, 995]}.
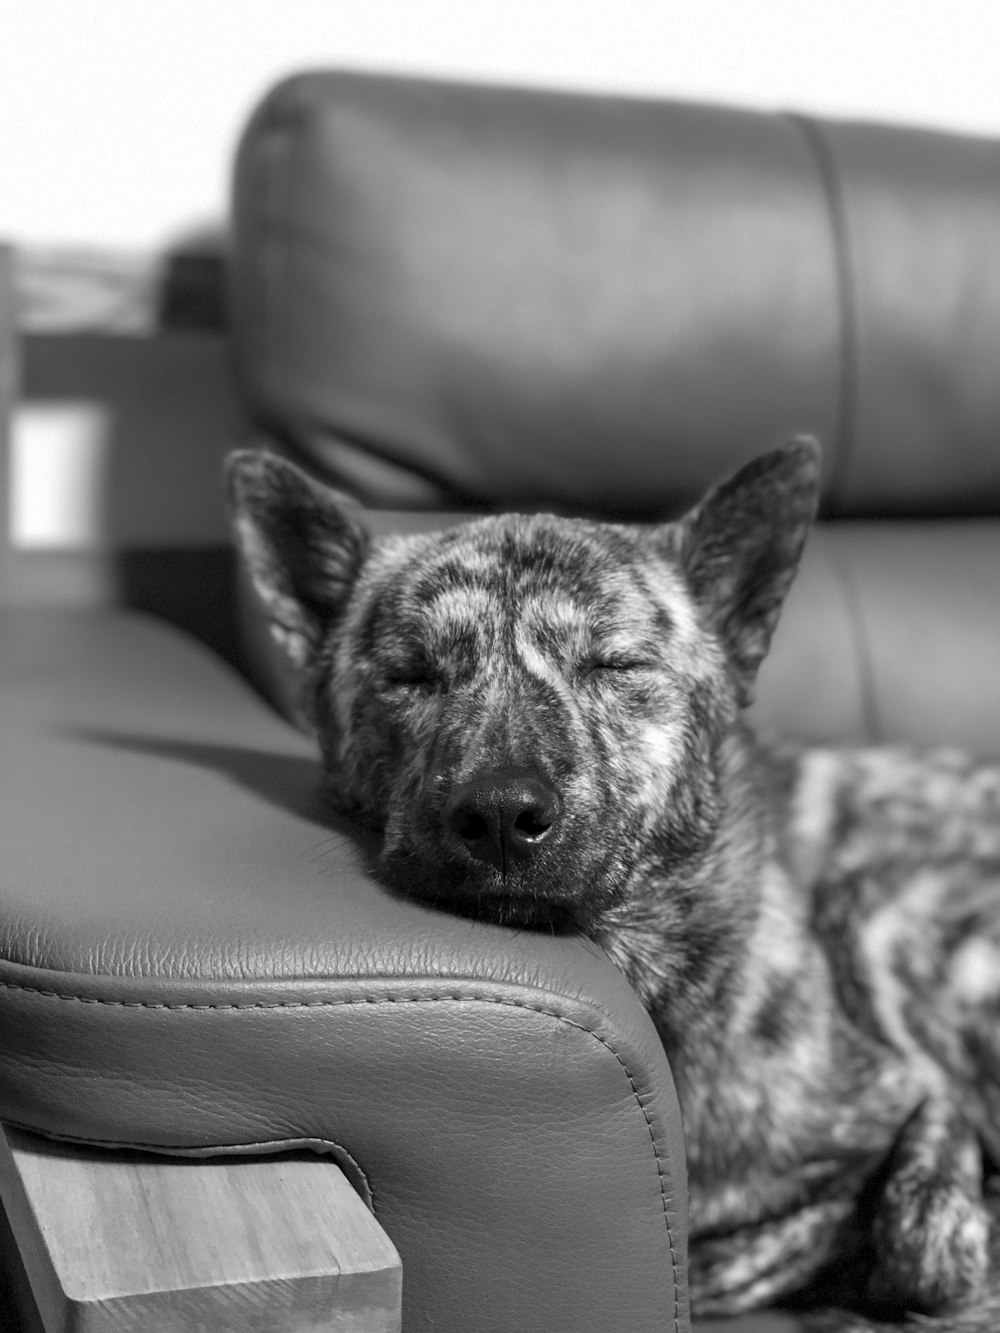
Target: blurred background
{"type": "Point", "coordinates": [119, 118]}
{"type": "Point", "coordinates": [118, 124]}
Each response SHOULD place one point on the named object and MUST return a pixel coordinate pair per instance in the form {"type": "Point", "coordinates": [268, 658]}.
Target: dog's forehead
{"type": "Point", "coordinates": [554, 573]}
{"type": "Point", "coordinates": [522, 559]}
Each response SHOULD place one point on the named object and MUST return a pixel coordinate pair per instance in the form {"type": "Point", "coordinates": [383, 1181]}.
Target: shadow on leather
{"type": "Point", "coordinates": [288, 781]}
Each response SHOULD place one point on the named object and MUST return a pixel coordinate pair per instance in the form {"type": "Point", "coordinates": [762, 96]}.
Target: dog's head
{"type": "Point", "coordinates": [527, 706]}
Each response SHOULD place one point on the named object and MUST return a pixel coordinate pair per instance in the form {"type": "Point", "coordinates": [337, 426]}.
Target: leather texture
{"type": "Point", "coordinates": [448, 294]}
{"type": "Point", "coordinates": [196, 956]}
{"type": "Point", "coordinates": [890, 635]}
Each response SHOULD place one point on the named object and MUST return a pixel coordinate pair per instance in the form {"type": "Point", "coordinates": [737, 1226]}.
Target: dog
{"type": "Point", "coordinates": [545, 718]}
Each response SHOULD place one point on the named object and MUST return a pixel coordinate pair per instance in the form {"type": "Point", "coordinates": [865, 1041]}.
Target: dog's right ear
{"type": "Point", "coordinates": [302, 544]}
{"type": "Point", "coordinates": [740, 547]}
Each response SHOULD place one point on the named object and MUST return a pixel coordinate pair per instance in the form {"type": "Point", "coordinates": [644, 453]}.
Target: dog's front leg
{"type": "Point", "coordinates": [929, 1224]}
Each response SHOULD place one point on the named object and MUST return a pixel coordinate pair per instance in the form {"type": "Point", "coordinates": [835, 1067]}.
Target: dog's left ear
{"type": "Point", "coordinates": [302, 543]}
{"type": "Point", "coordinates": [740, 548]}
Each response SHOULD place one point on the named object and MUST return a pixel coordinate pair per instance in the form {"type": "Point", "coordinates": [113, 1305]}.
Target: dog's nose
{"type": "Point", "coordinates": [502, 815]}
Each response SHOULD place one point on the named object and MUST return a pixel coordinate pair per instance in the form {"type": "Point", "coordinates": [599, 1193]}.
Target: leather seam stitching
{"type": "Point", "coordinates": [403, 999]}
{"type": "Point", "coordinates": [816, 139]}
{"type": "Point", "coordinates": [862, 644]}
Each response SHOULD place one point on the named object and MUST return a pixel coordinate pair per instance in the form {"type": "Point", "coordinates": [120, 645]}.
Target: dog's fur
{"type": "Point", "coordinates": [816, 932]}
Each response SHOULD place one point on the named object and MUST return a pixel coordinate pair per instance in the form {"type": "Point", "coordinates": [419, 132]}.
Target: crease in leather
{"type": "Point", "coordinates": [393, 453]}
{"type": "Point", "coordinates": [818, 145]}
{"type": "Point", "coordinates": [278, 243]}
{"type": "Point", "coordinates": [448, 997]}
{"type": "Point", "coordinates": [271, 332]}
{"type": "Point", "coordinates": [282, 268]}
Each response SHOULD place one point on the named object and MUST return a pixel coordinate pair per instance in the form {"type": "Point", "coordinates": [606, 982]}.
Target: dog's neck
{"type": "Point", "coordinates": [682, 935]}
{"type": "Point", "coordinates": [734, 980]}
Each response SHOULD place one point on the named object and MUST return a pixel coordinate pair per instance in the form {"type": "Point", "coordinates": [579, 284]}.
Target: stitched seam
{"type": "Point", "coordinates": [403, 999]}
{"type": "Point", "coordinates": [288, 192]}
{"type": "Point", "coordinates": [816, 142]}
{"type": "Point", "coordinates": [270, 266]}
{"type": "Point", "coordinates": [270, 217]}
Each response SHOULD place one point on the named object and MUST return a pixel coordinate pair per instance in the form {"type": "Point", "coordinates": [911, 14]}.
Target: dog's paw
{"type": "Point", "coordinates": [930, 1228]}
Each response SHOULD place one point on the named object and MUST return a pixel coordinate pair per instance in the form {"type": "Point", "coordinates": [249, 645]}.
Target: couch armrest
{"type": "Point", "coordinates": [195, 957]}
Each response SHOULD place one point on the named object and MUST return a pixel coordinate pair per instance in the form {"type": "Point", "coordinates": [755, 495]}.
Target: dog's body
{"type": "Point", "coordinates": [544, 718]}
{"type": "Point", "coordinates": [841, 1087]}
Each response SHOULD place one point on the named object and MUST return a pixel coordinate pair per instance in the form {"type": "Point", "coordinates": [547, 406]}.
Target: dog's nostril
{"type": "Point", "coordinates": [471, 826]}
{"type": "Point", "coordinates": [533, 823]}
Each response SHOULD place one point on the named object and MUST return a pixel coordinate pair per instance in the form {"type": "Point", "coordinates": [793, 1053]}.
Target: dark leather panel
{"type": "Point", "coordinates": [890, 634]}
{"type": "Point", "coordinates": [195, 956]}
{"type": "Point", "coordinates": [925, 597]}
{"type": "Point", "coordinates": [446, 293]}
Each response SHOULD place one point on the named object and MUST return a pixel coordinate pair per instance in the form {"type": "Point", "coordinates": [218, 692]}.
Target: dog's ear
{"type": "Point", "coordinates": [740, 547]}
{"type": "Point", "coordinates": [302, 544]}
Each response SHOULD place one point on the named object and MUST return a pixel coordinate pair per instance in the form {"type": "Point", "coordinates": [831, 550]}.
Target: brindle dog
{"type": "Point", "coordinates": [545, 718]}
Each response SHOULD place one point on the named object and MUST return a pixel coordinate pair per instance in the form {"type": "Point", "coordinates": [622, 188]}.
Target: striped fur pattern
{"type": "Point", "coordinates": [545, 720]}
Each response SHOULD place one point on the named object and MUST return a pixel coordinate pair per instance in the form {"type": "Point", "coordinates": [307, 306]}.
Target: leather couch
{"type": "Point", "coordinates": [447, 299]}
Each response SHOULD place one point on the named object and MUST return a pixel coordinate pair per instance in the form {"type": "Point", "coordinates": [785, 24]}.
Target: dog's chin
{"type": "Point", "coordinates": [525, 897]}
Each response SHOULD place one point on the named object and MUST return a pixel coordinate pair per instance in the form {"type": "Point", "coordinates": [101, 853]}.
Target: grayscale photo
{"type": "Point", "coordinates": [500, 666]}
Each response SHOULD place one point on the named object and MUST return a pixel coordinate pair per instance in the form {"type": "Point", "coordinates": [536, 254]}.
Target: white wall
{"type": "Point", "coordinates": [118, 117]}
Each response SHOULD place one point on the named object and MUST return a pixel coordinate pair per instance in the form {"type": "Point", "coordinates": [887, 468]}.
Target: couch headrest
{"type": "Point", "coordinates": [453, 295]}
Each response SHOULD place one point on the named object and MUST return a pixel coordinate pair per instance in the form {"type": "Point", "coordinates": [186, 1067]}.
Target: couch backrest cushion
{"type": "Point", "coordinates": [451, 294]}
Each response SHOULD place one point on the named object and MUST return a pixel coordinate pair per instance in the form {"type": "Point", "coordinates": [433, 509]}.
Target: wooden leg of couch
{"type": "Point", "coordinates": [115, 1242]}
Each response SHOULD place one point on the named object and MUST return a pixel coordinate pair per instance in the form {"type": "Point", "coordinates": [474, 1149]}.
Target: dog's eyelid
{"type": "Point", "coordinates": [412, 675]}
{"type": "Point", "coordinates": [426, 686]}
{"type": "Point", "coordinates": [615, 661]}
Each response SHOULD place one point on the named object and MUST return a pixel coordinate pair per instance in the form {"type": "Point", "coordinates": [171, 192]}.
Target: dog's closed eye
{"type": "Point", "coordinates": [610, 663]}
{"type": "Point", "coordinates": [412, 675]}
